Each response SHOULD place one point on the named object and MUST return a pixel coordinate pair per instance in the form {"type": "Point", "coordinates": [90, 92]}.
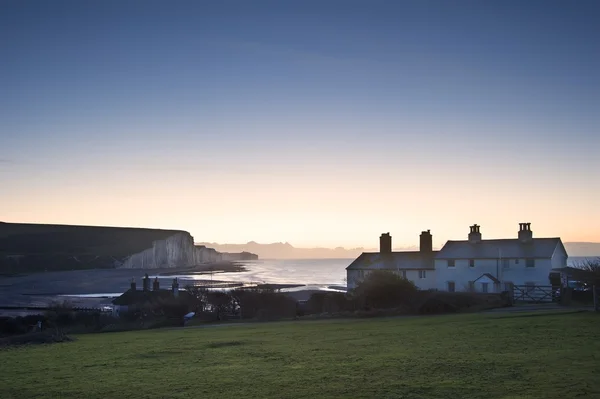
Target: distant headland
{"type": "Point", "coordinates": [286, 250]}
{"type": "Point", "coordinates": [45, 247]}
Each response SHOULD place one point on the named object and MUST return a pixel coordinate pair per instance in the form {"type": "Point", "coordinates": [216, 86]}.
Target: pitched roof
{"type": "Point", "coordinates": [405, 260]}
{"type": "Point", "coordinates": [494, 249]}
{"type": "Point", "coordinates": [494, 279]}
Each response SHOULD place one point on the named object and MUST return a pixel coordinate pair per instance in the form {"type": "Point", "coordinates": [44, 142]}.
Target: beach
{"type": "Point", "coordinates": [97, 287]}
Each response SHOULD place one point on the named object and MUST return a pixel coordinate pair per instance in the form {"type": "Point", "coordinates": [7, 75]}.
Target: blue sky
{"type": "Point", "coordinates": [305, 106]}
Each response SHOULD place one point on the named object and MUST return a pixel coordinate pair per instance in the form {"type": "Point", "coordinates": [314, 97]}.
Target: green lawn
{"type": "Point", "coordinates": [462, 356]}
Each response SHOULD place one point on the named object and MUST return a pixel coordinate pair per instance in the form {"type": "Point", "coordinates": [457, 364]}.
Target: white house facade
{"type": "Point", "coordinates": [474, 264]}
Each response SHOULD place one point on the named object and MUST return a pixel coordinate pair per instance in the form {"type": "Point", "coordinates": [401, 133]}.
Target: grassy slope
{"type": "Point", "coordinates": [466, 356]}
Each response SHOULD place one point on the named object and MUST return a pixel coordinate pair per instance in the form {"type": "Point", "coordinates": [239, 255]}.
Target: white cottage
{"type": "Point", "coordinates": [417, 266]}
{"type": "Point", "coordinates": [470, 265]}
{"type": "Point", "coordinates": [494, 265]}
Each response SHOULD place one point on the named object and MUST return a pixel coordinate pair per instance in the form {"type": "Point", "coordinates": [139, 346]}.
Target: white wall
{"type": "Point", "coordinates": [352, 278]}
{"type": "Point", "coordinates": [559, 258]}
{"type": "Point", "coordinates": [520, 274]}
{"type": "Point", "coordinates": [516, 273]}
{"type": "Point", "coordinates": [422, 283]}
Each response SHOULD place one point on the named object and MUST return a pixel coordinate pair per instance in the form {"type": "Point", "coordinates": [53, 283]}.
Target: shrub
{"type": "Point", "coordinates": [452, 302]}
{"type": "Point", "coordinates": [222, 303]}
{"type": "Point", "coordinates": [436, 305]}
{"type": "Point", "coordinates": [329, 302]}
{"type": "Point", "coordinates": [198, 298]}
{"type": "Point", "coordinates": [263, 304]}
{"type": "Point", "coordinates": [59, 315]}
{"type": "Point", "coordinates": [383, 289]}
{"type": "Point", "coordinates": [592, 271]}
{"type": "Point", "coordinates": [35, 338]}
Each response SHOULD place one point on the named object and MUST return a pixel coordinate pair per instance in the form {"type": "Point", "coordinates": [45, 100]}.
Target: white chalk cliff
{"type": "Point", "coordinates": [177, 250]}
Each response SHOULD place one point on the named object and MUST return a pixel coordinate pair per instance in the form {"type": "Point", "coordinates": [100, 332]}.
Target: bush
{"type": "Point", "coordinates": [329, 302]}
{"type": "Point", "coordinates": [12, 326]}
{"type": "Point", "coordinates": [34, 338]}
{"type": "Point", "coordinates": [383, 289]}
{"type": "Point", "coordinates": [436, 305]}
{"type": "Point", "coordinates": [452, 302]}
{"type": "Point", "coordinates": [591, 270]}
{"type": "Point", "coordinates": [263, 304]}
{"type": "Point", "coordinates": [197, 298]}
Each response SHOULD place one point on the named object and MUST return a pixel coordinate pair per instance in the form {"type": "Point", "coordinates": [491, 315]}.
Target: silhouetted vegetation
{"type": "Point", "coordinates": [382, 289]}
{"type": "Point", "coordinates": [383, 293]}
{"type": "Point", "coordinates": [52, 326]}
{"type": "Point", "coordinates": [19, 325]}
{"type": "Point", "coordinates": [592, 269]}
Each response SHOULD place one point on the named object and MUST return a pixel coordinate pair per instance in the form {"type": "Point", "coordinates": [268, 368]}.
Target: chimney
{"type": "Point", "coordinates": [385, 243]}
{"type": "Point", "coordinates": [146, 283]}
{"type": "Point", "coordinates": [132, 285]}
{"type": "Point", "coordinates": [426, 242]}
{"type": "Point", "coordinates": [175, 287]}
{"type": "Point", "coordinates": [155, 284]}
{"type": "Point", "coordinates": [525, 233]}
{"type": "Point", "coordinates": [474, 234]}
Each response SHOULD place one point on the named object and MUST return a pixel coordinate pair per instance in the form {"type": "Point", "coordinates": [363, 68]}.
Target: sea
{"type": "Point", "coordinates": [310, 272]}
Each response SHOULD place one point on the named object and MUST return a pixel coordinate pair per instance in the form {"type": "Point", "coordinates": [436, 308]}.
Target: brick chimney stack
{"type": "Point", "coordinates": [474, 234]}
{"type": "Point", "coordinates": [426, 242]}
{"type": "Point", "coordinates": [525, 233]}
{"type": "Point", "coordinates": [385, 243]}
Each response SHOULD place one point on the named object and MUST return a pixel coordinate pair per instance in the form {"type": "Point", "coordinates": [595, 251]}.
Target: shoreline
{"type": "Point", "coordinates": [208, 268]}
{"type": "Point", "coordinates": [97, 287]}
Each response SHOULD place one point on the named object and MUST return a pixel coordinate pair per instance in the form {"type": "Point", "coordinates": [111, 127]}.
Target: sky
{"type": "Point", "coordinates": [319, 123]}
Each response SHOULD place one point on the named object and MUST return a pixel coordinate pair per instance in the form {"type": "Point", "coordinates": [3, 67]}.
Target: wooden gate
{"type": "Point", "coordinates": [533, 293]}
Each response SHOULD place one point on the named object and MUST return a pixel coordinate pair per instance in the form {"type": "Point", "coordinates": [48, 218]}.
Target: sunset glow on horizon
{"type": "Point", "coordinates": [312, 123]}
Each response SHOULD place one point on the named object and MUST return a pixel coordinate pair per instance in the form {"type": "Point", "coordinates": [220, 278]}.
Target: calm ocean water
{"type": "Point", "coordinates": [312, 272]}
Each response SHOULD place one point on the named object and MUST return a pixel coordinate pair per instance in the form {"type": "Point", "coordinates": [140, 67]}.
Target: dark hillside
{"type": "Point", "coordinates": [38, 247]}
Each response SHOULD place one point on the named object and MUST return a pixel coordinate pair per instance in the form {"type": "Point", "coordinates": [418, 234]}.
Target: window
{"type": "Point", "coordinates": [530, 263]}
{"type": "Point", "coordinates": [471, 286]}
{"type": "Point", "coordinates": [516, 261]}
{"type": "Point", "coordinates": [451, 263]}
{"type": "Point", "coordinates": [471, 262]}
{"type": "Point", "coordinates": [505, 263]}
{"type": "Point", "coordinates": [422, 273]}
{"type": "Point", "coordinates": [451, 286]}
{"type": "Point", "coordinates": [484, 287]}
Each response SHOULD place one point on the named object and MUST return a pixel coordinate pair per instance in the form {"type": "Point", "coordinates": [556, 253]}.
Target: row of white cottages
{"type": "Point", "coordinates": [470, 265]}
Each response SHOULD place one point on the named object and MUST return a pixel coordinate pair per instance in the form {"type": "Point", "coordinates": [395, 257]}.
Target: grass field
{"type": "Point", "coordinates": [459, 356]}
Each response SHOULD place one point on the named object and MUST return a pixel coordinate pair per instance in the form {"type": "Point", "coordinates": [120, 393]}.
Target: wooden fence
{"type": "Point", "coordinates": [533, 293]}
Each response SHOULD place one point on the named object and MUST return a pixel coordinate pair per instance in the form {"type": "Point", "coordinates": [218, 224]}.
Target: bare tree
{"type": "Point", "coordinates": [591, 267]}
